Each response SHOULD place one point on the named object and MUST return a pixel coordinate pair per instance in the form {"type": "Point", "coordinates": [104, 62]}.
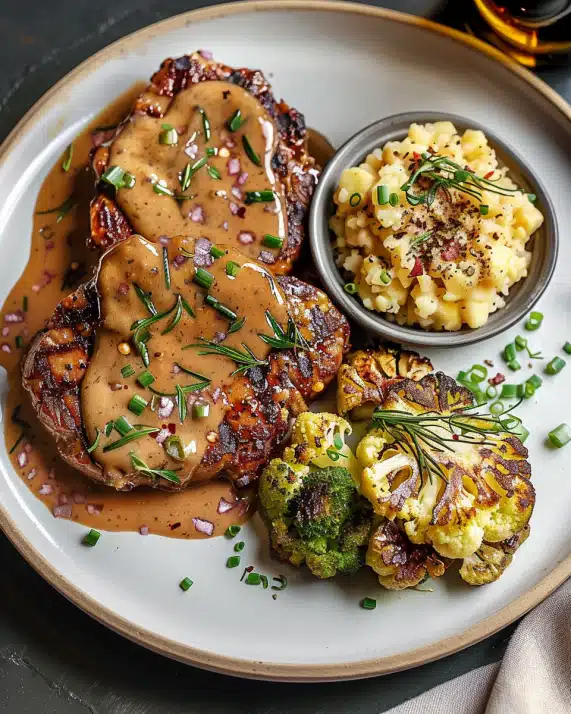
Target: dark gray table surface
{"type": "Point", "coordinates": [54, 659]}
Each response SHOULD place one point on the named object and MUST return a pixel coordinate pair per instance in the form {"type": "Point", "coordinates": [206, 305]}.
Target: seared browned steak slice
{"type": "Point", "coordinates": [291, 164]}
{"type": "Point", "coordinates": [259, 403]}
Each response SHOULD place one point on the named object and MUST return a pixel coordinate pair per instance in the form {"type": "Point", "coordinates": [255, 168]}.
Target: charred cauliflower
{"type": "Point", "coordinates": [454, 482]}
{"type": "Point", "coordinates": [311, 503]}
{"type": "Point", "coordinates": [363, 379]}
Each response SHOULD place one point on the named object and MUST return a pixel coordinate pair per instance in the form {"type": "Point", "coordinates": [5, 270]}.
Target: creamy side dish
{"type": "Point", "coordinates": [431, 231]}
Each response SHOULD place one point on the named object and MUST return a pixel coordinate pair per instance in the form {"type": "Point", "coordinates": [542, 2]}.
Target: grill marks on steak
{"type": "Point", "coordinates": [259, 403]}
{"type": "Point", "coordinates": [291, 162]}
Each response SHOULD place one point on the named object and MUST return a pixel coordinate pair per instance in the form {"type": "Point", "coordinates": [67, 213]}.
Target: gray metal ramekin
{"type": "Point", "coordinates": [522, 296]}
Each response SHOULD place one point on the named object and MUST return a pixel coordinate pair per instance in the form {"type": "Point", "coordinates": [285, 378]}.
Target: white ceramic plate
{"type": "Point", "coordinates": [344, 66]}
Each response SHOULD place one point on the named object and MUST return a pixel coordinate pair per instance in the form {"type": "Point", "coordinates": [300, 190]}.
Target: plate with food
{"type": "Point", "coordinates": [284, 332]}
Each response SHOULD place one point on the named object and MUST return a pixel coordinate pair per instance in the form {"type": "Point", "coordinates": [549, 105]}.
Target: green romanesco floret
{"type": "Point", "coordinates": [316, 516]}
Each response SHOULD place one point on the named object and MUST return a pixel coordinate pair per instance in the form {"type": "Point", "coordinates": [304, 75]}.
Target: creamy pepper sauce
{"type": "Point", "coordinates": [201, 169]}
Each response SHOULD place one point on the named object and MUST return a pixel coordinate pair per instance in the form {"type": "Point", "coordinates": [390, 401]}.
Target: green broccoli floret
{"type": "Point", "coordinates": [316, 517]}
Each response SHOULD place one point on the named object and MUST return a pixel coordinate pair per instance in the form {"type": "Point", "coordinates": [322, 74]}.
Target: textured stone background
{"type": "Point", "coordinates": [54, 659]}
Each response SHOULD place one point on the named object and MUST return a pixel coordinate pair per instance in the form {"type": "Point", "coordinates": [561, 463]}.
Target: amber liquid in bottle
{"type": "Point", "coordinates": [531, 31]}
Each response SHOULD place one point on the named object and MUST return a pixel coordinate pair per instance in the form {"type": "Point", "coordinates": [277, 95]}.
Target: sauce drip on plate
{"type": "Point", "coordinates": [59, 261]}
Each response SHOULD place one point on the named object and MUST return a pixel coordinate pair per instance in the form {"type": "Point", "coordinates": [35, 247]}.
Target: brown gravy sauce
{"type": "Point", "coordinates": [213, 201]}
{"type": "Point", "coordinates": [59, 261]}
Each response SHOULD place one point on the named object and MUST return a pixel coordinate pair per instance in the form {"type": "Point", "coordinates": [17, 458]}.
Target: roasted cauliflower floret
{"type": "Point", "coordinates": [315, 516]}
{"type": "Point", "coordinates": [399, 563]}
{"type": "Point", "coordinates": [363, 379]}
{"type": "Point", "coordinates": [318, 439]}
{"type": "Point", "coordinates": [491, 559]}
{"type": "Point", "coordinates": [451, 492]}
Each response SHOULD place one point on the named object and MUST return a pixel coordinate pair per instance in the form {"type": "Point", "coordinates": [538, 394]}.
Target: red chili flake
{"type": "Point", "coordinates": [498, 379]}
{"type": "Point", "coordinates": [416, 155]}
{"type": "Point", "coordinates": [489, 175]}
{"type": "Point", "coordinates": [174, 526]}
{"type": "Point", "coordinates": [172, 428]}
{"type": "Point", "coordinates": [417, 270]}
{"type": "Point", "coordinates": [122, 289]}
{"type": "Point", "coordinates": [455, 437]}
{"type": "Point", "coordinates": [241, 212]}
{"type": "Point", "coordinates": [250, 568]}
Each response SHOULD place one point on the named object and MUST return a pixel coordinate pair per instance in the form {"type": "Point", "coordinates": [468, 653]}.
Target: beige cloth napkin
{"type": "Point", "coordinates": [533, 678]}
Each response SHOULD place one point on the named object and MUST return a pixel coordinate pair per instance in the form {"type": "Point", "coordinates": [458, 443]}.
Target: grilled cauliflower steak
{"type": "Point", "coordinates": [467, 496]}
{"type": "Point", "coordinates": [365, 376]}
{"type": "Point", "coordinates": [252, 140]}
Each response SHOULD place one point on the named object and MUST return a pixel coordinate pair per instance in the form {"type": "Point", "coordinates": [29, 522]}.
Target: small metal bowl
{"type": "Point", "coordinates": [522, 296]}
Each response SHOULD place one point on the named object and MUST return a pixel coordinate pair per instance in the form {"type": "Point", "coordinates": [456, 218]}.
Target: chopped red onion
{"type": "Point", "coordinates": [16, 316]}
{"type": "Point", "coordinates": [225, 225]}
{"type": "Point", "coordinates": [162, 436]}
{"type": "Point", "coordinates": [28, 448]}
{"type": "Point", "coordinates": [237, 193]}
{"type": "Point", "coordinates": [234, 208]}
{"type": "Point", "coordinates": [49, 245]}
{"type": "Point", "coordinates": [63, 511]}
{"type": "Point", "coordinates": [219, 337]}
{"type": "Point", "coordinates": [191, 151]}
{"type": "Point", "coordinates": [166, 407]}
{"type": "Point", "coordinates": [203, 526]}
{"type": "Point", "coordinates": [233, 166]}
{"type": "Point", "coordinates": [78, 497]}
{"type": "Point", "coordinates": [175, 369]}
{"type": "Point", "coordinates": [6, 348]}
{"type": "Point", "coordinates": [62, 499]}
{"type": "Point", "coordinates": [5, 331]}
{"type": "Point", "coordinates": [31, 474]}
{"type": "Point", "coordinates": [164, 240]}
{"type": "Point", "coordinates": [197, 214]}
{"type": "Point", "coordinates": [245, 238]}
{"type": "Point", "coordinates": [179, 259]}
{"type": "Point", "coordinates": [144, 530]}
{"type": "Point", "coordinates": [242, 178]}
{"type": "Point", "coordinates": [266, 257]}
{"type": "Point", "coordinates": [498, 379]}
{"type": "Point", "coordinates": [243, 480]}
{"type": "Point", "coordinates": [202, 257]}
{"type": "Point", "coordinates": [216, 394]}
{"type": "Point", "coordinates": [206, 54]}
{"type": "Point", "coordinates": [122, 289]}
{"type": "Point", "coordinates": [94, 509]}
{"type": "Point", "coordinates": [22, 459]}
{"type": "Point", "coordinates": [45, 489]}
{"type": "Point", "coordinates": [224, 506]}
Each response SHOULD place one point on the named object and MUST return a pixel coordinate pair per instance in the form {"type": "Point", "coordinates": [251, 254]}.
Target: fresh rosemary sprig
{"type": "Point", "coordinates": [447, 174]}
{"type": "Point", "coordinates": [141, 466]}
{"type": "Point", "coordinates": [420, 239]}
{"type": "Point", "coordinates": [145, 298]}
{"type": "Point", "coordinates": [244, 359]}
{"type": "Point", "coordinates": [290, 338]}
{"type": "Point", "coordinates": [419, 434]}
{"type": "Point", "coordinates": [62, 210]}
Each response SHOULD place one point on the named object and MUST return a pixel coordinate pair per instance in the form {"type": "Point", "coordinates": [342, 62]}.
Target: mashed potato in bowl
{"type": "Point", "coordinates": [431, 231]}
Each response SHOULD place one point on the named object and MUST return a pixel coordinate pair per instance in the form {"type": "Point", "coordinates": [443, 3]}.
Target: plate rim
{"type": "Point", "coordinates": [199, 657]}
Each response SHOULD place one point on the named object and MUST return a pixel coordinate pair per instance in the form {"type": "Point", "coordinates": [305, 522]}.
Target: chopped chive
{"type": "Point", "coordinates": [555, 366]}
{"type": "Point", "coordinates": [233, 561]}
{"type": "Point", "coordinates": [484, 210]}
{"type": "Point", "coordinates": [560, 436]}
{"type": "Point", "coordinates": [66, 164]}
{"type": "Point", "coordinates": [271, 241]}
{"type": "Point", "coordinates": [122, 426]}
{"type": "Point", "coordinates": [128, 180]}
{"type": "Point", "coordinates": [528, 390]}
{"type": "Point", "coordinates": [264, 580]}
{"type": "Point", "coordinates": [200, 411]}
{"type": "Point", "coordinates": [25, 303]}
{"type": "Point", "coordinates": [282, 580]}
{"type": "Point", "coordinates": [232, 268]}
{"type": "Point", "coordinates": [162, 190]}
{"type": "Point", "coordinates": [109, 428]}
{"type": "Point", "coordinates": [350, 288]}
{"type": "Point", "coordinates": [509, 352]}
{"type": "Point", "coordinates": [213, 172]}
{"type": "Point", "coordinates": [185, 584]}
{"type": "Point", "coordinates": [205, 124]}
{"type": "Point", "coordinates": [127, 370]}
{"type": "Point", "coordinates": [91, 448]}
{"type": "Point", "coordinates": [166, 268]}
{"type": "Point", "coordinates": [224, 310]}
{"type": "Point", "coordinates": [534, 321]}
{"type": "Point", "coordinates": [239, 547]}
{"type": "Point", "coordinates": [520, 343]}
{"type": "Point", "coordinates": [566, 347]}
{"type": "Point", "coordinates": [394, 199]}
{"type": "Point", "coordinates": [492, 391]}
{"type": "Point", "coordinates": [253, 579]}
{"type": "Point", "coordinates": [355, 199]}
{"type": "Point", "coordinates": [185, 178]}
{"type": "Point", "coordinates": [216, 252]}
{"type": "Point", "coordinates": [368, 603]}
{"type": "Point", "coordinates": [383, 194]}
{"type": "Point", "coordinates": [169, 136]}
{"type": "Point", "coordinates": [19, 341]}
{"type": "Point", "coordinates": [235, 121]}
{"type": "Point", "coordinates": [137, 404]}
{"type": "Point", "coordinates": [236, 325]}
{"type": "Point", "coordinates": [92, 537]}
{"type": "Point", "coordinates": [514, 365]}
{"type": "Point", "coordinates": [385, 277]}
{"type": "Point", "coordinates": [249, 149]}
{"type": "Point", "coordinates": [211, 151]}
{"type": "Point", "coordinates": [259, 196]}
{"type": "Point", "coordinates": [531, 197]}
{"type": "Point", "coordinates": [145, 378]}
{"type": "Point", "coordinates": [497, 408]}
{"type": "Point", "coordinates": [509, 391]}
{"type": "Point", "coordinates": [232, 531]}
{"type": "Point", "coordinates": [203, 278]}
{"type": "Point", "coordinates": [333, 454]}
{"type": "Point", "coordinates": [116, 177]}
{"type": "Point", "coordinates": [62, 210]}
{"type": "Point", "coordinates": [535, 381]}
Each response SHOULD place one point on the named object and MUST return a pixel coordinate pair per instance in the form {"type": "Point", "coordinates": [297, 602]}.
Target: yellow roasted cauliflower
{"type": "Point", "coordinates": [448, 489]}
